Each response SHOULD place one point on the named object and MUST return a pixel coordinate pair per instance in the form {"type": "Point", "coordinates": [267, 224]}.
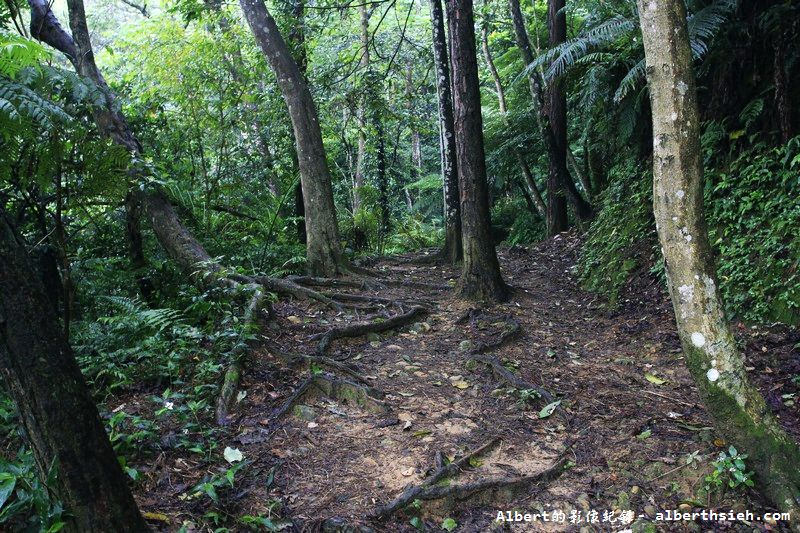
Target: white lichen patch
{"type": "Point", "coordinates": [712, 374]}
{"type": "Point", "coordinates": [680, 193]}
{"type": "Point", "coordinates": [698, 339]}
{"type": "Point", "coordinates": [686, 292]}
{"type": "Point", "coordinates": [682, 87]}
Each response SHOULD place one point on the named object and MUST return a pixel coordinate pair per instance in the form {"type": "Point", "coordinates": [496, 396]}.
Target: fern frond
{"type": "Point", "coordinates": [631, 81]}
{"type": "Point", "coordinates": [705, 23]}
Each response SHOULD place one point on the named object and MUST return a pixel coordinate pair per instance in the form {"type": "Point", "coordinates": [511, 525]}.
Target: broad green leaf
{"type": "Point", "coordinates": [548, 409]}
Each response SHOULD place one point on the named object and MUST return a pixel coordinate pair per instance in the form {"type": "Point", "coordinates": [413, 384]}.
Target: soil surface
{"type": "Point", "coordinates": [628, 418]}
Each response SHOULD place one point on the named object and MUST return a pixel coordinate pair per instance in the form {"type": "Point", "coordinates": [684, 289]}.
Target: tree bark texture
{"type": "Point", "coordinates": [480, 276]}
{"type": "Point", "coordinates": [56, 410]}
{"type": "Point", "coordinates": [738, 409]}
{"type": "Point", "coordinates": [447, 140]}
{"type": "Point", "coordinates": [323, 250]}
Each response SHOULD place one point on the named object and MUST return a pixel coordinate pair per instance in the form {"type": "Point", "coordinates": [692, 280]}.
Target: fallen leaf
{"type": "Point", "coordinates": [655, 380]}
{"type": "Point", "coordinates": [232, 455]}
{"type": "Point", "coordinates": [548, 409]}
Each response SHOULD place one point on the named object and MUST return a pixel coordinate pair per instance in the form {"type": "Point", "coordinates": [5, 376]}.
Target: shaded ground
{"type": "Point", "coordinates": [630, 413]}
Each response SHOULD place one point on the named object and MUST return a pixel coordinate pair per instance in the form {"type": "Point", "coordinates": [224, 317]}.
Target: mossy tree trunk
{"type": "Point", "coordinates": [480, 275]}
{"type": "Point", "coordinates": [56, 411]}
{"type": "Point", "coordinates": [447, 140]}
{"type": "Point", "coordinates": [324, 256]}
{"type": "Point", "coordinates": [738, 409]}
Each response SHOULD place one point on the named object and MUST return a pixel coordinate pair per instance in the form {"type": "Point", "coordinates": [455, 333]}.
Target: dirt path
{"type": "Point", "coordinates": [629, 410]}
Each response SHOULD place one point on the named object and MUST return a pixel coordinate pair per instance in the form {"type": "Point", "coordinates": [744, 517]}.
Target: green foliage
{"type": "Point", "coordinates": [729, 470]}
{"type": "Point", "coordinates": [753, 218]}
{"type": "Point", "coordinates": [25, 502]}
{"type": "Point", "coordinates": [622, 236]}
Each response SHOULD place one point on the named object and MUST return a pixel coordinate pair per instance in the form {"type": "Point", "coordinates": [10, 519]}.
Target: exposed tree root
{"type": "Point", "coordinates": [347, 392]}
{"type": "Point", "coordinates": [494, 487]}
{"type": "Point", "coordinates": [362, 328]}
{"type": "Point", "coordinates": [286, 286]}
{"type": "Point", "coordinates": [412, 493]}
{"type": "Point", "coordinates": [360, 284]}
{"type": "Point", "coordinates": [233, 374]}
{"type": "Point", "coordinates": [330, 386]}
{"type": "Point", "coordinates": [478, 354]}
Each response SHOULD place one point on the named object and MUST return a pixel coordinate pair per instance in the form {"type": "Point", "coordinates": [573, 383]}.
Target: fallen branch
{"type": "Point", "coordinates": [363, 328]}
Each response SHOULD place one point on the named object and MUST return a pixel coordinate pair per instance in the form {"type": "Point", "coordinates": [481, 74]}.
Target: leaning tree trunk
{"type": "Point", "coordinates": [537, 199]}
{"type": "Point", "coordinates": [323, 253]}
{"type": "Point", "coordinates": [564, 180]}
{"type": "Point", "coordinates": [718, 368]}
{"type": "Point", "coordinates": [323, 250]}
{"type": "Point", "coordinates": [56, 411]}
{"type": "Point", "coordinates": [447, 139]}
{"type": "Point", "coordinates": [480, 276]}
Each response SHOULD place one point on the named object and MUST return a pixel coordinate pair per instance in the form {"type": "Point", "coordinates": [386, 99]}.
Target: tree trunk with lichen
{"type": "Point", "coordinates": [480, 274]}
{"type": "Point", "coordinates": [55, 407]}
{"type": "Point", "coordinates": [447, 141]}
{"type": "Point", "coordinates": [738, 409]}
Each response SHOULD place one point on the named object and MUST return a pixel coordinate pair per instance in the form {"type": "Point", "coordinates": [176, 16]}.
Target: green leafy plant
{"type": "Point", "coordinates": [729, 471]}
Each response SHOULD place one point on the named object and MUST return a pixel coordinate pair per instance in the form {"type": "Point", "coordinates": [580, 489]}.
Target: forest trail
{"type": "Point", "coordinates": [629, 413]}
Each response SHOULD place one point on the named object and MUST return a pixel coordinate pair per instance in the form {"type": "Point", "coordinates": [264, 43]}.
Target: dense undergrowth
{"type": "Point", "coordinates": [752, 215]}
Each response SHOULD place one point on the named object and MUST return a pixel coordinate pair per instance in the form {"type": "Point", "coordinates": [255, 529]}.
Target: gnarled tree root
{"type": "Point", "coordinates": [494, 489]}
{"type": "Point", "coordinates": [478, 354]}
{"type": "Point", "coordinates": [233, 374]}
{"type": "Point", "coordinates": [330, 386]}
{"type": "Point", "coordinates": [412, 493]}
{"type": "Point", "coordinates": [363, 328]}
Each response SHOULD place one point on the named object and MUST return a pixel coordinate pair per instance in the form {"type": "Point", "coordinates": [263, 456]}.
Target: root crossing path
{"type": "Point", "coordinates": [447, 411]}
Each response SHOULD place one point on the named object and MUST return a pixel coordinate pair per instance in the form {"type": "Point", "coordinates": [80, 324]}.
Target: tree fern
{"type": "Point", "coordinates": [17, 53]}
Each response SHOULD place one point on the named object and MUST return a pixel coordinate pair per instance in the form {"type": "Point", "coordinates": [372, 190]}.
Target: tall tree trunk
{"type": "Point", "coordinates": [297, 40]}
{"type": "Point", "coordinates": [562, 181]}
{"type": "Point", "coordinates": [480, 276]}
{"type": "Point", "coordinates": [447, 140]}
{"type": "Point", "coordinates": [56, 411]}
{"type": "Point", "coordinates": [416, 151]}
{"type": "Point", "coordinates": [361, 155]}
{"type": "Point", "coordinates": [324, 255]}
{"type": "Point", "coordinates": [533, 189]}
{"type": "Point", "coordinates": [781, 90]}
{"type": "Point", "coordinates": [383, 180]}
{"type": "Point", "coordinates": [556, 110]}
{"type": "Point", "coordinates": [718, 368]}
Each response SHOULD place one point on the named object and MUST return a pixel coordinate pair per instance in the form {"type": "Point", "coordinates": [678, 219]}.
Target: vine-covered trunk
{"type": "Point", "coordinates": [323, 250]}
{"type": "Point", "coordinates": [480, 276]}
{"type": "Point", "coordinates": [718, 368]}
{"type": "Point", "coordinates": [55, 407]}
{"type": "Point", "coordinates": [447, 139]}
